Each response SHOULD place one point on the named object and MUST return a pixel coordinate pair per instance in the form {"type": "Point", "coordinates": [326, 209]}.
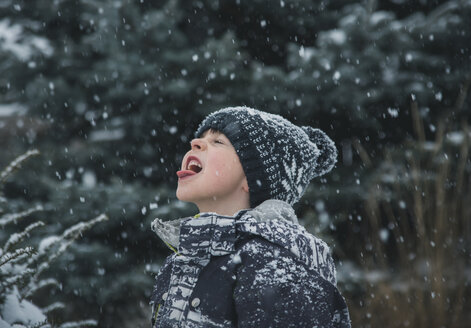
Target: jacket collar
{"type": "Point", "coordinates": [209, 234]}
{"type": "Point", "coordinates": [170, 231]}
{"type": "Point", "coordinates": [200, 235]}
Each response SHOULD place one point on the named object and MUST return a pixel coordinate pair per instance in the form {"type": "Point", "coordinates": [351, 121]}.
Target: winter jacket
{"type": "Point", "coordinates": [259, 268]}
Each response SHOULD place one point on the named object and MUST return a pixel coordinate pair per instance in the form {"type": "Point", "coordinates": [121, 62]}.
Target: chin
{"type": "Point", "coordinates": [179, 196]}
{"type": "Point", "coordinates": [183, 196]}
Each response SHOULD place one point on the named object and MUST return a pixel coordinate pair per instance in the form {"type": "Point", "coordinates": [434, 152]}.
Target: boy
{"type": "Point", "coordinates": [244, 261]}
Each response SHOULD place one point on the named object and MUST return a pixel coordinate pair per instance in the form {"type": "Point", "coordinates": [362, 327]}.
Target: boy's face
{"type": "Point", "coordinates": [211, 172]}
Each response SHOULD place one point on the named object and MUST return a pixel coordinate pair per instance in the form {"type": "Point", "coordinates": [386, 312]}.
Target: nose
{"type": "Point", "coordinates": [198, 144]}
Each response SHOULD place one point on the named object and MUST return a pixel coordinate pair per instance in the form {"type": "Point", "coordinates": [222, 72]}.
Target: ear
{"type": "Point", "coordinates": [245, 185]}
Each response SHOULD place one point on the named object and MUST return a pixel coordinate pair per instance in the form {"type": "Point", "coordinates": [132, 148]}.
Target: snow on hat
{"type": "Point", "coordinates": [279, 158]}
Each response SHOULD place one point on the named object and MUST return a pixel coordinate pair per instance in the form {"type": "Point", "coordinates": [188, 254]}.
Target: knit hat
{"type": "Point", "coordinates": [279, 159]}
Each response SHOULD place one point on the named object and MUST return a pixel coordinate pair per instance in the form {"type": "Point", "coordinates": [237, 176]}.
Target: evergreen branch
{"type": "Point", "coordinates": [16, 272]}
{"type": "Point", "coordinates": [9, 218]}
{"type": "Point", "coordinates": [76, 324]}
{"type": "Point", "coordinates": [77, 229]}
{"type": "Point", "coordinates": [67, 238]}
{"type": "Point", "coordinates": [17, 279]}
{"type": "Point", "coordinates": [11, 256]}
{"type": "Point", "coordinates": [53, 307]}
{"type": "Point", "coordinates": [42, 324]}
{"type": "Point", "coordinates": [47, 243]}
{"type": "Point", "coordinates": [45, 265]}
{"type": "Point", "coordinates": [41, 284]}
{"type": "Point", "coordinates": [16, 238]}
{"type": "Point", "coordinates": [442, 10]}
{"type": "Point", "coordinates": [16, 164]}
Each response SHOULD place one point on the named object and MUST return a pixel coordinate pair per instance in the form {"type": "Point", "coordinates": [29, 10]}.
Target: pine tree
{"type": "Point", "coordinates": [22, 267]}
{"type": "Point", "coordinates": [111, 93]}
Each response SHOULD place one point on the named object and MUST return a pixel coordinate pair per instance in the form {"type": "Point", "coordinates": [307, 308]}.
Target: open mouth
{"type": "Point", "coordinates": [193, 166]}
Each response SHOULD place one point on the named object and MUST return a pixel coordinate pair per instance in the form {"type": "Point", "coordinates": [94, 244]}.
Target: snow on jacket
{"type": "Point", "coordinates": [259, 268]}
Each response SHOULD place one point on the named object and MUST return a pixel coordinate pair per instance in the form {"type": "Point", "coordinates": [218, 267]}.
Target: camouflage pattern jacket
{"type": "Point", "coordinates": [259, 268]}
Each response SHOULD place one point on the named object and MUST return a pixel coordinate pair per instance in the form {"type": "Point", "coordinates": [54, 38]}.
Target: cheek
{"type": "Point", "coordinates": [224, 166]}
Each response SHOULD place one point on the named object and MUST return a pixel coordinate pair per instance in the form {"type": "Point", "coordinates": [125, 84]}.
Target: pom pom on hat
{"type": "Point", "coordinates": [328, 153]}
{"type": "Point", "coordinates": [279, 158]}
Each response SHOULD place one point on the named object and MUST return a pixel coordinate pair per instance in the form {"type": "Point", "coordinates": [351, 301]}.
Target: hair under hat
{"type": "Point", "coordinates": [279, 158]}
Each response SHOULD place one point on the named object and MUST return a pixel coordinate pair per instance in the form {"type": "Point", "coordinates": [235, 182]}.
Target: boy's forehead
{"type": "Point", "coordinates": [211, 131]}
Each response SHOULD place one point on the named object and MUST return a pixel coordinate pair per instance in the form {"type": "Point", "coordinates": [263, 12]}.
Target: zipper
{"type": "Point", "coordinates": [154, 318]}
{"type": "Point", "coordinates": [172, 248]}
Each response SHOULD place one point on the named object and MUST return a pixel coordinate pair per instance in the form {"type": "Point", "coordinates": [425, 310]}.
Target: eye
{"type": "Point", "coordinates": [219, 141]}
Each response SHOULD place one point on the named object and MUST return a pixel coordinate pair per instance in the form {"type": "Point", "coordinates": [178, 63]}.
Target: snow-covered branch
{"type": "Point", "coordinates": [14, 217]}
{"type": "Point", "coordinates": [10, 256]}
{"type": "Point", "coordinates": [16, 164]}
{"type": "Point", "coordinates": [19, 237]}
{"type": "Point", "coordinates": [83, 323]}
{"type": "Point", "coordinates": [21, 268]}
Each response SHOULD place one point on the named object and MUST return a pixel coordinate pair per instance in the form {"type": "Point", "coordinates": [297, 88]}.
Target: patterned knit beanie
{"type": "Point", "coordinates": [279, 158]}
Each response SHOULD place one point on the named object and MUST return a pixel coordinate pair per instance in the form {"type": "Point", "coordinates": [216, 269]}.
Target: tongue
{"type": "Point", "coordinates": [185, 173]}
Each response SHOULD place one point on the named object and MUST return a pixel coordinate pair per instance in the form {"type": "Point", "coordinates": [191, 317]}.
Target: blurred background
{"type": "Point", "coordinates": [110, 93]}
